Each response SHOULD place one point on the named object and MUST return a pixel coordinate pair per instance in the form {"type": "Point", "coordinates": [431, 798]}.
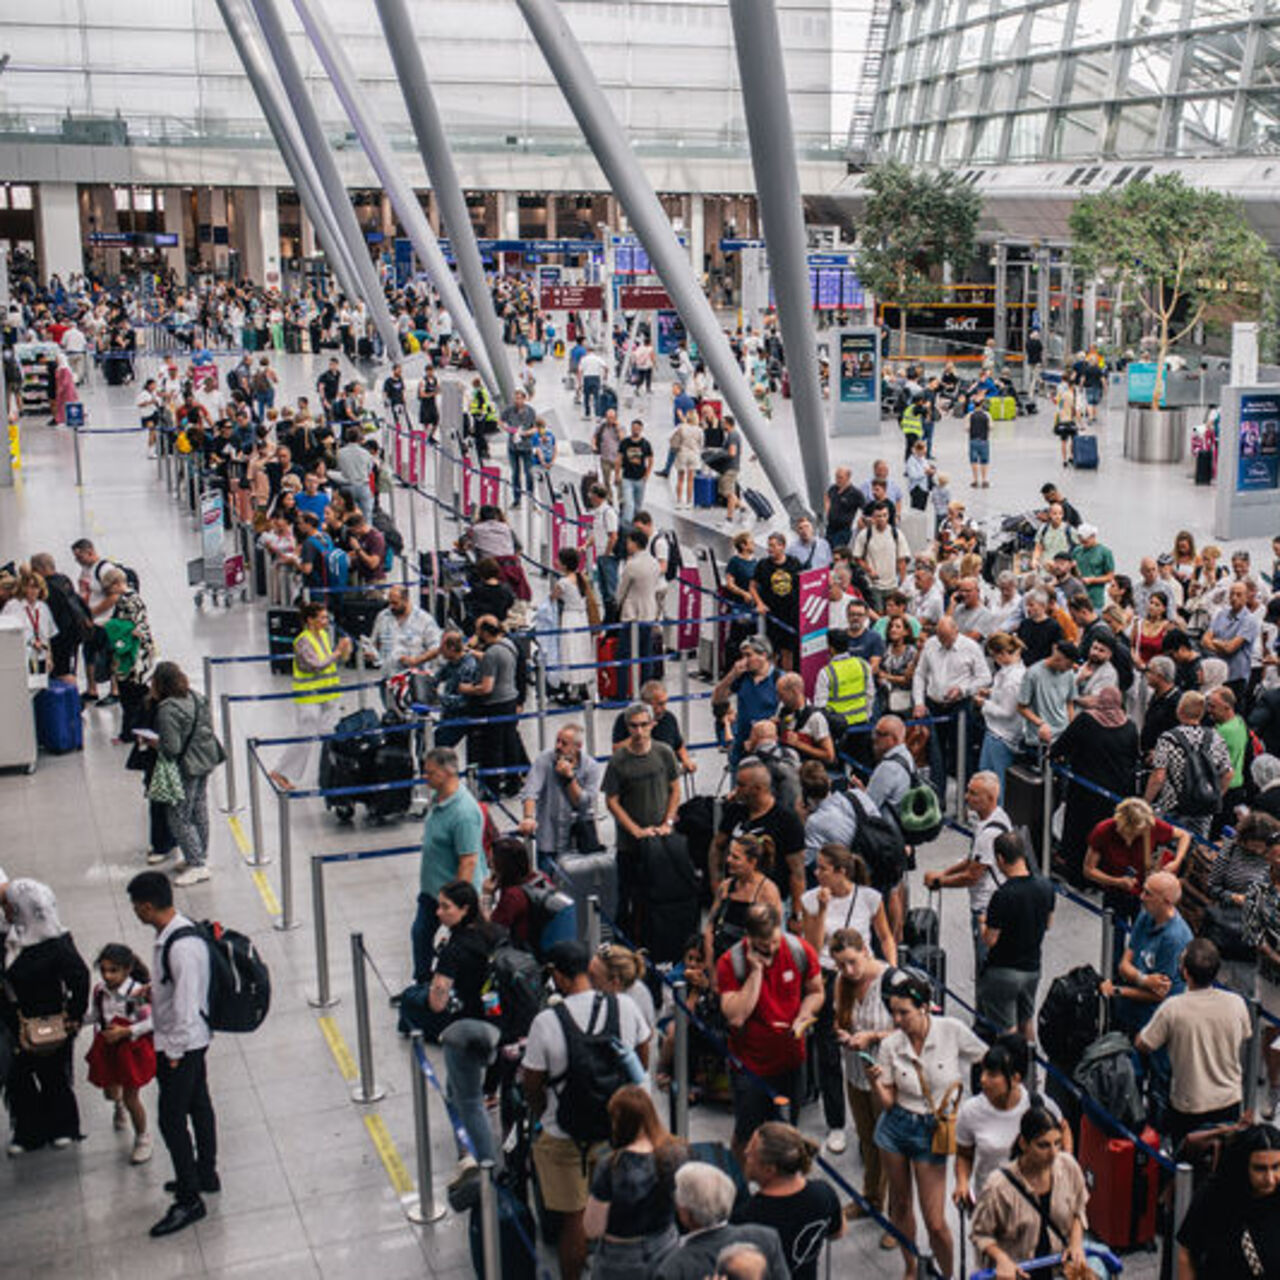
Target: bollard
{"type": "Point", "coordinates": [367, 1090]}
{"type": "Point", "coordinates": [626, 685]}
{"type": "Point", "coordinates": [259, 858]}
{"type": "Point", "coordinates": [1106, 960]}
{"type": "Point", "coordinates": [593, 922]}
{"type": "Point", "coordinates": [324, 997]}
{"type": "Point", "coordinates": [540, 674]}
{"type": "Point", "coordinates": [680, 1072]}
{"type": "Point", "coordinates": [207, 662]}
{"type": "Point", "coordinates": [962, 760]}
{"type": "Point", "coordinates": [684, 695]}
{"type": "Point", "coordinates": [1046, 816]}
{"type": "Point", "coordinates": [491, 1241]}
{"type": "Point", "coordinates": [229, 776]}
{"type": "Point", "coordinates": [589, 727]}
{"type": "Point", "coordinates": [362, 693]}
{"type": "Point", "coordinates": [1253, 1056]}
{"type": "Point", "coordinates": [285, 818]}
{"type": "Point", "coordinates": [75, 436]}
{"type": "Point", "coordinates": [420, 1208]}
{"type": "Point", "coordinates": [1183, 1186]}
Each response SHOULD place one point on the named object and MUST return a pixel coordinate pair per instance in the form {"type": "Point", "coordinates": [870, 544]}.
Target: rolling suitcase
{"type": "Point", "coordinates": [704, 489]}
{"type": "Point", "coordinates": [1024, 803]}
{"type": "Point", "coordinates": [1084, 452]}
{"type": "Point", "coordinates": [1124, 1185]}
{"type": "Point", "coordinates": [283, 626]}
{"type": "Point", "coordinates": [1002, 408]}
{"type": "Point", "coordinates": [607, 677]}
{"type": "Point", "coordinates": [1204, 467]}
{"type": "Point", "coordinates": [584, 875]}
{"type": "Point", "coordinates": [59, 728]}
{"type": "Point", "coordinates": [933, 961]}
{"type": "Point", "coordinates": [392, 762]}
{"type": "Point", "coordinates": [760, 506]}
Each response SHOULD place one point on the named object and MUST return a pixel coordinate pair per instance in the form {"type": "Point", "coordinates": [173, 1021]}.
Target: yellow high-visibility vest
{"type": "Point", "coordinates": [318, 686]}
{"type": "Point", "coordinates": [848, 687]}
{"type": "Point", "coordinates": [912, 421]}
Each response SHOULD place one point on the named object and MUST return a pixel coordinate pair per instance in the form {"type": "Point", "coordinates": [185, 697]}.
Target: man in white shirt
{"type": "Point", "coordinates": [951, 669]}
{"type": "Point", "coordinates": [403, 634]}
{"type": "Point", "coordinates": [591, 375]}
{"type": "Point", "coordinates": [357, 464]}
{"type": "Point", "coordinates": [93, 568]}
{"type": "Point", "coordinates": [810, 550]}
{"type": "Point", "coordinates": [75, 344]}
{"type": "Point", "coordinates": [179, 996]}
{"type": "Point", "coordinates": [604, 537]}
{"type": "Point", "coordinates": [924, 593]}
{"type": "Point", "coordinates": [883, 552]}
{"type": "Point", "coordinates": [564, 1170]}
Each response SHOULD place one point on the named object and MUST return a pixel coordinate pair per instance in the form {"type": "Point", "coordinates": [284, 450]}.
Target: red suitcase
{"type": "Point", "coordinates": [607, 677]}
{"type": "Point", "coordinates": [1124, 1185]}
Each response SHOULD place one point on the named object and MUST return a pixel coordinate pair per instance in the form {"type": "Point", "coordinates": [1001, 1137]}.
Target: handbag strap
{"type": "Point", "coordinates": [1025, 1192]}
{"type": "Point", "coordinates": [950, 1098]}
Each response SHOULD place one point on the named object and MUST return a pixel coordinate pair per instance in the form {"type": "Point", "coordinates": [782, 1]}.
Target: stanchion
{"type": "Point", "coordinates": [593, 922]}
{"type": "Point", "coordinates": [438, 543]}
{"type": "Point", "coordinates": [324, 997]}
{"type": "Point", "coordinates": [285, 819]}
{"type": "Point", "coordinates": [367, 1090]}
{"type": "Point", "coordinates": [259, 858]}
{"type": "Point", "coordinates": [680, 1072]}
{"type": "Point", "coordinates": [1183, 1188]}
{"type": "Point", "coordinates": [1106, 961]}
{"type": "Point", "coordinates": [1046, 815]}
{"type": "Point", "coordinates": [628, 688]}
{"type": "Point", "coordinates": [540, 690]}
{"type": "Point", "coordinates": [962, 760]}
{"type": "Point", "coordinates": [229, 774]}
{"type": "Point", "coordinates": [362, 693]}
{"type": "Point", "coordinates": [75, 436]}
{"type": "Point", "coordinates": [684, 695]}
{"type": "Point", "coordinates": [207, 662]}
{"type": "Point", "coordinates": [490, 1239]}
{"type": "Point", "coordinates": [589, 726]}
{"type": "Point", "coordinates": [1253, 1056]}
{"type": "Point", "coordinates": [421, 1208]}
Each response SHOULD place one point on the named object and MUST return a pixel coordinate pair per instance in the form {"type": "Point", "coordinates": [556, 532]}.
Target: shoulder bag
{"type": "Point", "coordinates": [944, 1114]}
{"type": "Point", "coordinates": [166, 785]}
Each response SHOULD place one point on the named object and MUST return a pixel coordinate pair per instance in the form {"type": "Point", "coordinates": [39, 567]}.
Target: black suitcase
{"type": "Point", "coordinates": [357, 614]}
{"type": "Point", "coordinates": [1024, 803]}
{"type": "Point", "coordinates": [583, 875]}
{"type": "Point", "coordinates": [920, 928]}
{"type": "Point", "coordinates": [1204, 467]}
{"type": "Point", "coordinates": [760, 506]}
{"type": "Point", "coordinates": [933, 961]}
{"type": "Point", "coordinates": [283, 626]}
{"type": "Point", "coordinates": [392, 762]}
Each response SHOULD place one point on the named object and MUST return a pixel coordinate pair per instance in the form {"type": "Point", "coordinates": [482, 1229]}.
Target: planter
{"type": "Point", "coordinates": [1154, 435]}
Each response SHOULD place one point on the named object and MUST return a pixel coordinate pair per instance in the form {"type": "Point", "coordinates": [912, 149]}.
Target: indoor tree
{"type": "Point", "coordinates": [912, 223]}
{"type": "Point", "coordinates": [1179, 251]}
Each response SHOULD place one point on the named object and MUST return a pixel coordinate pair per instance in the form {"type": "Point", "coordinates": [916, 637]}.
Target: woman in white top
{"type": "Point", "coordinates": [999, 703]}
{"type": "Point", "coordinates": [921, 1072]}
{"type": "Point", "coordinates": [686, 447]}
{"type": "Point", "coordinates": [576, 602]}
{"type": "Point", "coordinates": [29, 607]}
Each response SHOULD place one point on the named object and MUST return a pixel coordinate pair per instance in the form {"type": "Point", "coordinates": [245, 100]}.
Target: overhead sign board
{"type": "Point", "coordinates": [644, 297]}
{"type": "Point", "coordinates": [571, 297]}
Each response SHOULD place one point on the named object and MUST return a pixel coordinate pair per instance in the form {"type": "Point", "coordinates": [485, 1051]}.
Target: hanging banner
{"type": "Point", "coordinates": [490, 479]}
{"type": "Point", "coordinates": [690, 598]}
{"type": "Point", "coordinates": [814, 608]}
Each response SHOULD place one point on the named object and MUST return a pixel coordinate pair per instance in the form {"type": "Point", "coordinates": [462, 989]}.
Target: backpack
{"type": "Point", "coordinates": [239, 981]}
{"type": "Point", "coordinates": [130, 575]}
{"type": "Point", "coordinates": [918, 813]}
{"type": "Point", "coordinates": [337, 567]}
{"type": "Point", "coordinates": [675, 561]}
{"type": "Point", "coordinates": [552, 915]}
{"type": "Point", "coordinates": [516, 976]}
{"type": "Point", "coordinates": [1200, 793]}
{"type": "Point", "coordinates": [799, 956]}
{"type": "Point", "coordinates": [1105, 1072]}
{"type": "Point", "coordinates": [1070, 1016]}
{"type": "Point", "coordinates": [523, 646]}
{"type": "Point", "coordinates": [879, 842]}
{"type": "Point", "coordinates": [784, 778]}
{"type": "Point", "coordinates": [1122, 660]}
{"type": "Point", "coordinates": [837, 725]}
{"type": "Point", "coordinates": [594, 1071]}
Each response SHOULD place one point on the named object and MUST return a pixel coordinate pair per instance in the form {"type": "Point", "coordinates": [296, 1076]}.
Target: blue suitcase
{"type": "Point", "coordinates": [704, 489]}
{"type": "Point", "coordinates": [58, 725]}
{"type": "Point", "coordinates": [536, 352]}
{"type": "Point", "coordinates": [1084, 452]}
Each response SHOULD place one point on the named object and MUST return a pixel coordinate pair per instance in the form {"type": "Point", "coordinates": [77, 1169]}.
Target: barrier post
{"type": "Point", "coordinates": [625, 681]}
{"type": "Point", "coordinates": [680, 1068]}
{"type": "Point", "coordinates": [1046, 816]}
{"type": "Point", "coordinates": [367, 1090]}
{"type": "Point", "coordinates": [285, 819]}
{"type": "Point", "coordinates": [1106, 960]}
{"type": "Point", "coordinates": [1183, 1179]}
{"type": "Point", "coordinates": [229, 776]}
{"type": "Point", "coordinates": [593, 922]}
{"type": "Point", "coordinates": [259, 858]}
{"type": "Point", "coordinates": [207, 663]}
{"type": "Point", "coordinates": [491, 1241]}
{"type": "Point", "coordinates": [589, 727]}
{"type": "Point", "coordinates": [421, 1208]}
{"type": "Point", "coordinates": [324, 998]}
{"type": "Point", "coordinates": [684, 695]}
{"type": "Point", "coordinates": [436, 544]}
{"type": "Point", "coordinates": [1253, 1056]}
{"type": "Point", "coordinates": [413, 524]}
{"type": "Point", "coordinates": [75, 436]}
{"type": "Point", "coordinates": [962, 760]}
{"type": "Point", "coordinates": [362, 693]}
{"type": "Point", "coordinates": [540, 678]}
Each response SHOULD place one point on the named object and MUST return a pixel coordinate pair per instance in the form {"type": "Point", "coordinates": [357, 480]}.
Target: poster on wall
{"type": "Point", "coordinates": [1259, 458]}
{"type": "Point", "coordinates": [857, 368]}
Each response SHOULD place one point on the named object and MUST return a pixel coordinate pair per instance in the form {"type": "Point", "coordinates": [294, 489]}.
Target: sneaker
{"type": "Point", "coordinates": [154, 859]}
{"type": "Point", "coordinates": [120, 1118]}
{"type": "Point", "coordinates": [141, 1149]}
{"type": "Point", "coordinates": [836, 1142]}
{"type": "Point", "coordinates": [192, 875]}
{"type": "Point", "coordinates": [15, 1149]}
{"type": "Point", "coordinates": [467, 1170]}
{"type": "Point", "coordinates": [61, 1144]}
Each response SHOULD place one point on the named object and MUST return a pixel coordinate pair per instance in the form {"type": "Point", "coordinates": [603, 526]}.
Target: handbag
{"type": "Point", "coordinates": [1223, 925]}
{"type": "Point", "coordinates": [584, 836]}
{"type": "Point", "coordinates": [166, 786]}
{"type": "Point", "coordinates": [944, 1114]}
{"type": "Point", "coordinates": [43, 1033]}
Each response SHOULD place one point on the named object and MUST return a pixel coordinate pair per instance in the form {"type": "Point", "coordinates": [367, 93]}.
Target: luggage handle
{"type": "Point", "coordinates": [1108, 1259]}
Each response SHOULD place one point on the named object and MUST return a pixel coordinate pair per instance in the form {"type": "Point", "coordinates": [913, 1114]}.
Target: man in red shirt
{"type": "Point", "coordinates": [770, 993]}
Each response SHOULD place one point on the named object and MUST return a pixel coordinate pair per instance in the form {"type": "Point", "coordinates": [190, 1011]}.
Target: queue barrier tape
{"type": "Point", "coordinates": [364, 855]}
{"type": "Point", "coordinates": [284, 694]}
{"type": "Point", "coordinates": [1108, 1259]}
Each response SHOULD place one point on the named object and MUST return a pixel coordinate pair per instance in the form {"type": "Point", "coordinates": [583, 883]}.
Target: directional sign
{"type": "Point", "coordinates": [644, 297]}
{"type": "Point", "coordinates": [571, 297]}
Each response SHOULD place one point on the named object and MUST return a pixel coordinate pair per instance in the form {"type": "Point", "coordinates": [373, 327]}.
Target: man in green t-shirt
{"type": "Point", "coordinates": [452, 849]}
{"type": "Point", "coordinates": [1094, 563]}
{"type": "Point", "coordinates": [1232, 729]}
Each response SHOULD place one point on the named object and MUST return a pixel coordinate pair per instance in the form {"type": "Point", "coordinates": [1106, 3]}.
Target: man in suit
{"type": "Point", "coordinates": [638, 586]}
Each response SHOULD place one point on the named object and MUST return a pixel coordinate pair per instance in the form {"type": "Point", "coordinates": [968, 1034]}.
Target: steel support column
{"type": "Point", "coordinates": [428, 127]}
{"type": "Point", "coordinates": [773, 160]}
{"type": "Point", "coordinates": [327, 169]}
{"type": "Point", "coordinates": [612, 151]}
{"type": "Point", "coordinates": [405, 202]}
{"type": "Point", "coordinates": [245, 37]}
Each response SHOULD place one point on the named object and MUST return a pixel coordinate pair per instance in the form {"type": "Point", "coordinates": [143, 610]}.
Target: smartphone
{"type": "Point", "coordinates": [869, 1059]}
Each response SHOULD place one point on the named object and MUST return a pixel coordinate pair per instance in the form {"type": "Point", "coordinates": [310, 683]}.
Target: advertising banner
{"type": "Point", "coordinates": [814, 587]}
{"type": "Point", "coordinates": [858, 368]}
{"type": "Point", "coordinates": [1259, 459]}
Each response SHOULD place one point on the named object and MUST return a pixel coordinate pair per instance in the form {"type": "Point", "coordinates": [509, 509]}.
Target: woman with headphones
{"type": "Point", "coordinates": [918, 1077]}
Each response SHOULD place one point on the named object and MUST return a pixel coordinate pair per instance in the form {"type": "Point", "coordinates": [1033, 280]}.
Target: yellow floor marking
{"type": "Point", "coordinates": [389, 1153]}
{"type": "Point", "coordinates": [267, 893]}
{"type": "Point", "coordinates": [338, 1047]}
{"type": "Point", "coordinates": [238, 835]}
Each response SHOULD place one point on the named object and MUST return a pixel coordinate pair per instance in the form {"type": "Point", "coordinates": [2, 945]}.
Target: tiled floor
{"type": "Point", "coordinates": [306, 1192]}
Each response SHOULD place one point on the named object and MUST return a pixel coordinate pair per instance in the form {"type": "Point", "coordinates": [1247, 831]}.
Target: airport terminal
{"type": "Point", "coordinates": [639, 639]}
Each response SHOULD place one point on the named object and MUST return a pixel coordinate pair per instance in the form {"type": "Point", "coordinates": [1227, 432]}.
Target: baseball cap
{"type": "Point", "coordinates": [570, 957]}
{"type": "Point", "coordinates": [1087, 531]}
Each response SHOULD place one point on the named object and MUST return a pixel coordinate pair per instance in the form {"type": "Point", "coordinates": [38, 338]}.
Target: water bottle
{"type": "Point", "coordinates": [630, 1060]}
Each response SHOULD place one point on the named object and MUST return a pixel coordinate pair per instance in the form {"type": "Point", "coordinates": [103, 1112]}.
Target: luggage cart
{"type": "Point", "coordinates": [214, 573]}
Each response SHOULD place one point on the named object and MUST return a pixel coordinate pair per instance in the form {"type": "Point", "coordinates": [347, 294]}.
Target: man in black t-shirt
{"type": "Point", "coordinates": [980, 446]}
{"type": "Point", "coordinates": [844, 501]}
{"type": "Point", "coordinates": [754, 811]}
{"type": "Point", "coordinates": [775, 586]}
{"type": "Point", "coordinates": [1018, 916]}
{"type": "Point", "coordinates": [636, 456]}
{"type": "Point", "coordinates": [329, 383]}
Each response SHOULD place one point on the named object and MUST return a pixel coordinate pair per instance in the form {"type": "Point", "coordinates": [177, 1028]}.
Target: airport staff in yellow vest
{"type": "Point", "coordinates": [846, 685]}
{"type": "Point", "coordinates": [315, 690]}
{"type": "Point", "coordinates": [912, 424]}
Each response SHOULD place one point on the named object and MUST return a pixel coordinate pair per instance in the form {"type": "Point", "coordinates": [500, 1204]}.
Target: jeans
{"type": "Point", "coordinates": [590, 395]}
{"type": "Point", "coordinates": [607, 571]}
{"type": "Point", "coordinates": [262, 401]}
{"type": "Point", "coordinates": [189, 820]}
{"type": "Point", "coordinates": [520, 461]}
{"type": "Point", "coordinates": [830, 1066]}
{"type": "Point", "coordinates": [184, 1092]}
{"type": "Point", "coordinates": [943, 741]}
{"type": "Point", "coordinates": [979, 947]}
{"type": "Point", "coordinates": [632, 498]}
{"type": "Point", "coordinates": [997, 755]}
{"type": "Point", "coordinates": [468, 1046]}
{"type": "Point", "coordinates": [422, 937]}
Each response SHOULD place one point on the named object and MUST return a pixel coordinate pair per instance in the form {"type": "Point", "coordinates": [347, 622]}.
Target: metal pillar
{"type": "Point", "coordinates": [773, 160]}
{"type": "Point", "coordinates": [244, 36]}
{"type": "Point", "coordinates": [428, 127]}
{"type": "Point", "coordinates": [680, 1067]}
{"type": "Point", "coordinates": [408, 209]}
{"type": "Point", "coordinates": [324, 997]}
{"type": "Point", "coordinates": [367, 1090]}
{"type": "Point", "coordinates": [1002, 304]}
{"type": "Point", "coordinates": [327, 170]}
{"type": "Point", "coordinates": [422, 1207]}
{"type": "Point", "coordinates": [285, 817]}
{"type": "Point", "coordinates": [624, 175]}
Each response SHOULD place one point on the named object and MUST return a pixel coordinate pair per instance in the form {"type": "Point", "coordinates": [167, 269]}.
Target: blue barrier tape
{"type": "Point", "coordinates": [289, 694]}
{"type": "Point", "coordinates": [364, 855]}
{"type": "Point", "coordinates": [106, 431]}
{"type": "Point", "coordinates": [1108, 1259]}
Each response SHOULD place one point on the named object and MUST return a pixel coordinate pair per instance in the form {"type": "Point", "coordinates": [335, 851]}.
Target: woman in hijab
{"type": "Point", "coordinates": [1101, 747]}
{"type": "Point", "coordinates": [48, 982]}
{"type": "Point", "coordinates": [1265, 772]}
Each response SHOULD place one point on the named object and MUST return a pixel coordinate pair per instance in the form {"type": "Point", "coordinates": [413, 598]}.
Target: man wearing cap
{"type": "Point", "coordinates": [563, 1167]}
{"type": "Point", "coordinates": [1051, 493]}
{"type": "Point", "coordinates": [753, 679]}
{"type": "Point", "coordinates": [1095, 564]}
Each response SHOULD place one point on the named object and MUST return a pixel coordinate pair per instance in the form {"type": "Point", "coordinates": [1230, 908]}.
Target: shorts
{"type": "Point", "coordinates": [980, 452]}
{"type": "Point", "coordinates": [1007, 997]}
{"type": "Point", "coordinates": [1064, 430]}
{"type": "Point", "coordinates": [562, 1179]}
{"type": "Point", "coordinates": [904, 1133]}
{"type": "Point", "coordinates": [1093, 396]}
{"type": "Point", "coordinates": [728, 485]}
{"type": "Point", "coordinates": [754, 1105]}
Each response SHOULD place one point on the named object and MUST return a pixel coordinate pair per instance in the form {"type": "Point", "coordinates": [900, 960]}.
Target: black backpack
{"type": "Point", "coordinates": [879, 842]}
{"type": "Point", "coordinates": [837, 725]}
{"type": "Point", "coordinates": [1105, 1072]}
{"type": "Point", "coordinates": [1070, 1016]}
{"type": "Point", "coordinates": [1200, 793]}
{"type": "Point", "coordinates": [675, 561]}
{"type": "Point", "coordinates": [130, 575]}
{"type": "Point", "coordinates": [594, 1071]}
{"type": "Point", "coordinates": [516, 975]}
{"type": "Point", "coordinates": [239, 981]}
